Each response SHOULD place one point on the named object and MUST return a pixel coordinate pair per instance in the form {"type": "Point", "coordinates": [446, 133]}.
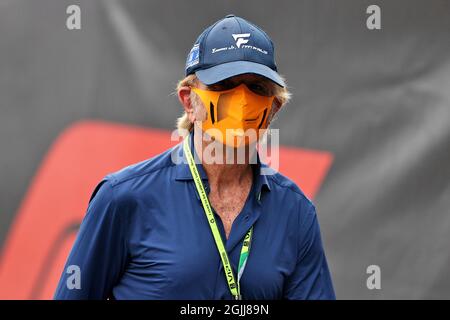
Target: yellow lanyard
{"type": "Point", "coordinates": [229, 275]}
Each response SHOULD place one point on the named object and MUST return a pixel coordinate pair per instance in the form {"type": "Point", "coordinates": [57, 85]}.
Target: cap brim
{"type": "Point", "coordinates": [230, 69]}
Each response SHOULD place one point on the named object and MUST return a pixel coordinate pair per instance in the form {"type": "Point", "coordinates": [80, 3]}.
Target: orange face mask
{"type": "Point", "coordinates": [236, 116]}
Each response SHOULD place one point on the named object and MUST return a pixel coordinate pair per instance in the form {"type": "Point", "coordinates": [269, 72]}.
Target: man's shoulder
{"type": "Point", "coordinates": [152, 170]}
{"type": "Point", "coordinates": [284, 185]}
{"type": "Point", "coordinates": [153, 166]}
{"type": "Point", "coordinates": [292, 202]}
{"type": "Point", "coordinates": [138, 179]}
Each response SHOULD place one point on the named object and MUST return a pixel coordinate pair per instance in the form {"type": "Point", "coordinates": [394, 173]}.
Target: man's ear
{"type": "Point", "coordinates": [276, 105]}
{"type": "Point", "coordinates": [184, 96]}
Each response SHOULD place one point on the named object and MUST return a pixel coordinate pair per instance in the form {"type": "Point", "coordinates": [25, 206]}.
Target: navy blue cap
{"type": "Point", "coordinates": [230, 47]}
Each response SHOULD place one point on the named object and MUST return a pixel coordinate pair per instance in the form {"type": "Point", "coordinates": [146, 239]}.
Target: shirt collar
{"type": "Point", "coordinates": [182, 168]}
{"type": "Point", "coordinates": [183, 172]}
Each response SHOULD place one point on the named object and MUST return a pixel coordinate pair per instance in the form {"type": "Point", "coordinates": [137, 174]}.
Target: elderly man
{"type": "Point", "coordinates": [213, 225]}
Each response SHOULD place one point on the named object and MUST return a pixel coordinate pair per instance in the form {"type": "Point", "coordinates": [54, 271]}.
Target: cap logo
{"type": "Point", "coordinates": [240, 38]}
{"type": "Point", "coordinates": [193, 57]}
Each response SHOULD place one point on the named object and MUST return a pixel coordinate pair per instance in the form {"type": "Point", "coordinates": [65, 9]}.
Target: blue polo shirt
{"type": "Point", "coordinates": [145, 236]}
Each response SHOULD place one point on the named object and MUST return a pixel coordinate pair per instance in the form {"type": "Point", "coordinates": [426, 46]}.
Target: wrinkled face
{"type": "Point", "coordinates": [237, 110]}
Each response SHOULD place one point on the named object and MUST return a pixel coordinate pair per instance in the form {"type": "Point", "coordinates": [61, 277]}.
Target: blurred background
{"type": "Point", "coordinates": [369, 123]}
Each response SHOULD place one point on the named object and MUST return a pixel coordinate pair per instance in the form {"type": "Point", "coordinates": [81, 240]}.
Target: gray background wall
{"type": "Point", "coordinates": [378, 100]}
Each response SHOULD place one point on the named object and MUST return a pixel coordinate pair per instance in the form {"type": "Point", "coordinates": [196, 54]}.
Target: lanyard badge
{"type": "Point", "coordinates": [233, 283]}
